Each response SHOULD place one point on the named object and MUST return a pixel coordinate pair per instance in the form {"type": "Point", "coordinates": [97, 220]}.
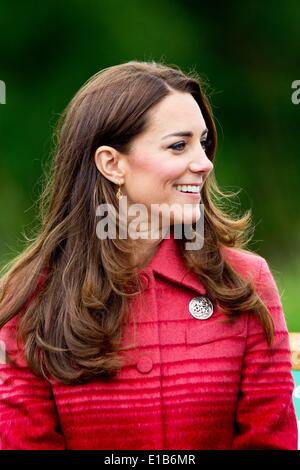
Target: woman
{"type": "Point", "coordinates": [138, 342]}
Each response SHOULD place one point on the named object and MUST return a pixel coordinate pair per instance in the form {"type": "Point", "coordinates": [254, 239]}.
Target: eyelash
{"type": "Point", "coordinates": [205, 144]}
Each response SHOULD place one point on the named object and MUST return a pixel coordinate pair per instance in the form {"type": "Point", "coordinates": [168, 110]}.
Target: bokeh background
{"type": "Point", "coordinates": [249, 53]}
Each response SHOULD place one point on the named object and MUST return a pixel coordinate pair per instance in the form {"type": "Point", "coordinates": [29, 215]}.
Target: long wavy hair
{"type": "Point", "coordinates": [69, 291]}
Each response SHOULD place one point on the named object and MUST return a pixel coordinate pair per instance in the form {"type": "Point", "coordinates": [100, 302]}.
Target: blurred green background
{"type": "Point", "coordinates": [249, 52]}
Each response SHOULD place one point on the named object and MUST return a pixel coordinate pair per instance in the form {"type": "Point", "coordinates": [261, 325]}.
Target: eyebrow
{"type": "Point", "coordinates": [184, 134]}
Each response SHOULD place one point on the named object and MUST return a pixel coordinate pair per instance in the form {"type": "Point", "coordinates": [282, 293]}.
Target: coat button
{"type": "Point", "coordinates": [201, 308]}
{"type": "Point", "coordinates": [144, 364]}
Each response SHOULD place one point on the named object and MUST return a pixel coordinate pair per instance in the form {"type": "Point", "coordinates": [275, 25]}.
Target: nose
{"type": "Point", "coordinates": [201, 163]}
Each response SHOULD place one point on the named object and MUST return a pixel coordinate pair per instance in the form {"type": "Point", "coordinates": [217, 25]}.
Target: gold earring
{"type": "Point", "coordinates": [119, 193]}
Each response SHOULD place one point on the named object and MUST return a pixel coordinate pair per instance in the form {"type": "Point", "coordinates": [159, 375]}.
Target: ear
{"type": "Point", "coordinates": [110, 163]}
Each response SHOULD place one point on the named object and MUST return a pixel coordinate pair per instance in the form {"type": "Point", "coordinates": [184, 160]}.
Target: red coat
{"type": "Point", "coordinates": [190, 384]}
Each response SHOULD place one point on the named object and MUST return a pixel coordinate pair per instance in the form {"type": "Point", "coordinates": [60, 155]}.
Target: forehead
{"type": "Point", "coordinates": [176, 112]}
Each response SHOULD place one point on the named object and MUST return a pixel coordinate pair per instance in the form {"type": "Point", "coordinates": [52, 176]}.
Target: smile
{"type": "Point", "coordinates": [189, 189]}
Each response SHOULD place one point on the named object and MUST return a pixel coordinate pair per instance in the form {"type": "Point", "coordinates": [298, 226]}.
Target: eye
{"type": "Point", "coordinates": [178, 146]}
{"type": "Point", "coordinates": [206, 143]}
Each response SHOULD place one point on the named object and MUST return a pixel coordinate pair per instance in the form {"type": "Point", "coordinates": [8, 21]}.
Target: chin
{"type": "Point", "coordinates": [183, 216]}
{"type": "Point", "coordinates": [190, 217]}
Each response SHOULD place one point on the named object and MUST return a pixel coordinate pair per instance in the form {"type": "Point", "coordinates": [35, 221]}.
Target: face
{"type": "Point", "coordinates": [167, 165]}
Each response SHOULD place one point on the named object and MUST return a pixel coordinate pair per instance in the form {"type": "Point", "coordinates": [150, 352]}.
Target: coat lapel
{"type": "Point", "coordinates": [168, 262]}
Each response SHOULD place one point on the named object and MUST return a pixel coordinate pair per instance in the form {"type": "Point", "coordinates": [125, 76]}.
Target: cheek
{"type": "Point", "coordinates": [161, 171]}
{"type": "Point", "coordinates": [174, 172]}
{"type": "Point", "coordinates": [146, 166]}
{"type": "Point", "coordinates": [149, 176]}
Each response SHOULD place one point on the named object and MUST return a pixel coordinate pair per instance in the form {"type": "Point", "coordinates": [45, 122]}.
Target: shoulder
{"type": "Point", "coordinates": [255, 267]}
{"type": "Point", "coordinates": [245, 262]}
{"type": "Point", "coordinates": [251, 265]}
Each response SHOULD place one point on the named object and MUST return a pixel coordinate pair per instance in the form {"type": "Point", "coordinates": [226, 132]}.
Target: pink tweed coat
{"type": "Point", "coordinates": [186, 384]}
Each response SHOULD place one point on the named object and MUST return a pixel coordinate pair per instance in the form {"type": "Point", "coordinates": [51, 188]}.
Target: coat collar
{"type": "Point", "coordinates": [168, 262]}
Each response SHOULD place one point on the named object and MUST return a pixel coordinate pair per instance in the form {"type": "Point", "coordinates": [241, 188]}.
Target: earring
{"type": "Point", "coordinates": [119, 193]}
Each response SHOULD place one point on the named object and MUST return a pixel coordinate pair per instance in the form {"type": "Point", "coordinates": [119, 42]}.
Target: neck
{"type": "Point", "coordinates": [144, 250]}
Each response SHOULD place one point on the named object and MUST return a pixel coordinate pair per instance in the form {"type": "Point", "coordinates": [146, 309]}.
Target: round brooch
{"type": "Point", "coordinates": [201, 308]}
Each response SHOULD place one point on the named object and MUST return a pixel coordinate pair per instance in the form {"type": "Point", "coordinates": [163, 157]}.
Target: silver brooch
{"type": "Point", "coordinates": [201, 308]}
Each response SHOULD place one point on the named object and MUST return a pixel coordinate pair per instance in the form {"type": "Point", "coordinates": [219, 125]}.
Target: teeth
{"type": "Point", "coordinates": [188, 188]}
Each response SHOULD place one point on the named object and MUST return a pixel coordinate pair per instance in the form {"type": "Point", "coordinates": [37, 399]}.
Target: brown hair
{"type": "Point", "coordinates": [71, 328]}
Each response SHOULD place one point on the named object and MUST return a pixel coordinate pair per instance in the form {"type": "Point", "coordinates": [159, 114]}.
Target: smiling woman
{"type": "Point", "coordinates": [155, 172]}
{"type": "Point", "coordinates": [104, 337]}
